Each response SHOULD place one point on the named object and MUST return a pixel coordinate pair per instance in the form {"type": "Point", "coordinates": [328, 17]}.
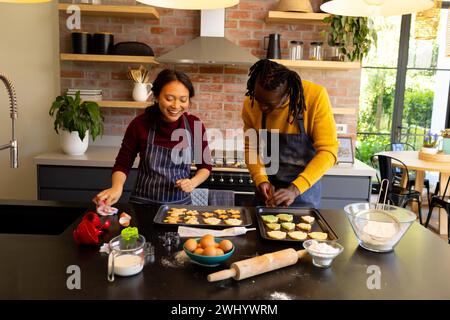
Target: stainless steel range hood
{"type": "Point", "coordinates": [211, 47]}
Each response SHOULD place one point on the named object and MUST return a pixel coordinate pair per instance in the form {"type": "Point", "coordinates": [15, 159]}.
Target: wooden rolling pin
{"type": "Point", "coordinates": [257, 265]}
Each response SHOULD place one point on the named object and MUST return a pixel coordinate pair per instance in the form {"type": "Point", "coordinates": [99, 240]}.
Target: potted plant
{"type": "Point", "coordinates": [74, 121]}
{"type": "Point", "coordinates": [430, 143]}
{"type": "Point", "coordinates": [350, 35]}
{"type": "Point", "coordinates": [446, 141]}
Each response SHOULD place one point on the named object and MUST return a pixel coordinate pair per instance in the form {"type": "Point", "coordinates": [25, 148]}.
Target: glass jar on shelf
{"type": "Point", "coordinates": [315, 51]}
{"type": "Point", "coordinates": [336, 55]}
{"type": "Point", "coordinates": [296, 50]}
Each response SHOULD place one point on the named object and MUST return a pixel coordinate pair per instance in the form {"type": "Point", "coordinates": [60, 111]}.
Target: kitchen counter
{"type": "Point", "coordinates": [97, 156]}
{"type": "Point", "coordinates": [35, 267]}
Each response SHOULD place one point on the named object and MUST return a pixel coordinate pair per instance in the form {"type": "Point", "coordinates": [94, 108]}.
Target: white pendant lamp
{"type": "Point", "coordinates": [191, 4]}
{"type": "Point", "coordinates": [368, 8]}
{"type": "Point", "coordinates": [24, 1]}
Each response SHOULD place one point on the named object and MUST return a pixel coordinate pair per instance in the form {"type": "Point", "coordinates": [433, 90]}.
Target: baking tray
{"type": "Point", "coordinates": [162, 214]}
{"type": "Point", "coordinates": [319, 224]}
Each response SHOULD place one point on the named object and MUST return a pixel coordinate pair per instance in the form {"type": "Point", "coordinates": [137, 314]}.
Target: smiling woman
{"type": "Point", "coordinates": [164, 138]}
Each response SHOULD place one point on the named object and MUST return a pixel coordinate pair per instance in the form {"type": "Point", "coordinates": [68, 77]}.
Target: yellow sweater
{"type": "Point", "coordinates": [319, 125]}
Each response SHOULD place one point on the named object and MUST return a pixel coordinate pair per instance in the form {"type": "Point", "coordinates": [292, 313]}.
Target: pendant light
{"type": "Point", "coordinates": [368, 8]}
{"type": "Point", "coordinates": [191, 4]}
{"type": "Point", "coordinates": [23, 1]}
{"type": "Point", "coordinates": [426, 23]}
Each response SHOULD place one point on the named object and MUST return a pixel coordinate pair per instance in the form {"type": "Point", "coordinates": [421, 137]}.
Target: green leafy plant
{"type": "Point", "coordinates": [351, 34]}
{"type": "Point", "coordinates": [72, 114]}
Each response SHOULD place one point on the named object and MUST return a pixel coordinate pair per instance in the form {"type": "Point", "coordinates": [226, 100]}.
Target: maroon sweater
{"type": "Point", "coordinates": [135, 139]}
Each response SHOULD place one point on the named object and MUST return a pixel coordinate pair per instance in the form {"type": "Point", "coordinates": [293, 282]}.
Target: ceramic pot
{"type": "Point", "coordinates": [71, 143]}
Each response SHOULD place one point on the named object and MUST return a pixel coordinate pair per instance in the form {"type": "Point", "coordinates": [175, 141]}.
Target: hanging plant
{"type": "Point", "coordinates": [351, 34]}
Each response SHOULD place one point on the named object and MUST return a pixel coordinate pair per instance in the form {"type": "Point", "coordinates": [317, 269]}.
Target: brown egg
{"type": "Point", "coordinates": [191, 245]}
{"type": "Point", "coordinates": [209, 251]}
{"type": "Point", "coordinates": [199, 251]}
{"type": "Point", "coordinates": [207, 240]}
{"type": "Point", "coordinates": [219, 252]}
{"type": "Point", "coordinates": [226, 245]}
{"type": "Point", "coordinates": [216, 245]}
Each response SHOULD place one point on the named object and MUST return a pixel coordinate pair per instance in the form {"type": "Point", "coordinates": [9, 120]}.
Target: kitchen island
{"type": "Point", "coordinates": [36, 267]}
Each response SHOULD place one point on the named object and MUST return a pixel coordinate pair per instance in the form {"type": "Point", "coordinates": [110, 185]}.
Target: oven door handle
{"type": "Point", "coordinates": [245, 192]}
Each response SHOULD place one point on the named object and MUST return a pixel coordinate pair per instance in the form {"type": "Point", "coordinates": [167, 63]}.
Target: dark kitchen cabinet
{"type": "Point", "coordinates": [72, 183]}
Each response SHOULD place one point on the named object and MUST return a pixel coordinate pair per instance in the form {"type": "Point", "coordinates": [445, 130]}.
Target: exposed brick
{"type": "Point", "coordinates": [187, 32]}
{"type": "Point", "coordinates": [175, 41]}
{"type": "Point", "coordinates": [211, 87]}
{"type": "Point", "coordinates": [72, 74]}
{"type": "Point", "coordinates": [119, 76]}
{"type": "Point", "coordinates": [211, 69]}
{"type": "Point", "coordinates": [236, 70]}
{"type": "Point", "coordinates": [234, 88]}
{"type": "Point", "coordinates": [174, 21]}
{"type": "Point", "coordinates": [238, 14]}
{"type": "Point", "coordinates": [163, 31]}
{"type": "Point", "coordinates": [250, 43]}
{"type": "Point", "coordinates": [200, 78]}
{"type": "Point", "coordinates": [337, 92]}
{"type": "Point", "coordinates": [232, 107]}
{"type": "Point", "coordinates": [251, 25]}
{"type": "Point", "coordinates": [207, 106]}
{"type": "Point", "coordinates": [231, 24]}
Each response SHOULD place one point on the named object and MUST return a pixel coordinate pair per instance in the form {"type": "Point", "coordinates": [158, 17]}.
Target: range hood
{"type": "Point", "coordinates": [211, 47]}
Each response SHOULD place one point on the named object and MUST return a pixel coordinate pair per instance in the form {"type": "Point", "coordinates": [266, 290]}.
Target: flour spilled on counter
{"type": "Point", "coordinates": [178, 260]}
{"type": "Point", "coordinates": [280, 296]}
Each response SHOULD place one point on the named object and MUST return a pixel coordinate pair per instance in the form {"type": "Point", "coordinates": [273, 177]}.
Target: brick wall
{"type": "Point", "coordinates": [219, 89]}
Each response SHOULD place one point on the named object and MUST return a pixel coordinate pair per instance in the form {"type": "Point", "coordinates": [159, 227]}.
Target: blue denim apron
{"type": "Point", "coordinates": [157, 173]}
{"type": "Point", "coordinates": [295, 152]}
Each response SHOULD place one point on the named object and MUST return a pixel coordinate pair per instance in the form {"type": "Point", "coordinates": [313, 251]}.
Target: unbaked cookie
{"type": "Point", "coordinates": [279, 235]}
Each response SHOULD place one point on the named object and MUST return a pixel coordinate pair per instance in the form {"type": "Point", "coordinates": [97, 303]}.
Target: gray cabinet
{"type": "Point", "coordinates": [71, 183]}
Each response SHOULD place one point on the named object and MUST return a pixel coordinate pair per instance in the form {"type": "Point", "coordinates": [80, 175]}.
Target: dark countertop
{"type": "Point", "coordinates": [34, 267]}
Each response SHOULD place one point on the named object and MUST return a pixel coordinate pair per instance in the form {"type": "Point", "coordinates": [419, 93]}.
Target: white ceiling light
{"type": "Point", "coordinates": [191, 4]}
{"type": "Point", "coordinates": [368, 8]}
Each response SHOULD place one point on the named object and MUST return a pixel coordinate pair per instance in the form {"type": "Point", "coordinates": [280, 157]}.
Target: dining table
{"type": "Point", "coordinates": [413, 163]}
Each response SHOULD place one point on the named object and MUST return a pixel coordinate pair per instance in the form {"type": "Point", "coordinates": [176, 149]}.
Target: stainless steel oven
{"type": "Point", "coordinates": [232, 175]}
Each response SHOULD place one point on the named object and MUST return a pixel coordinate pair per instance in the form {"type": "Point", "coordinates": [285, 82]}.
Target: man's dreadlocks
{"type": "Point", "coordinates": [270, 75]}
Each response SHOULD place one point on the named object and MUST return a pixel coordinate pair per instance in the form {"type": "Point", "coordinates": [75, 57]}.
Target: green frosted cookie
{"type": "Point", "coordinates": [269, 218]}
{"type": "Point", "coordinates": [285, 217]}
{"type": "Point", "coordinates": [273, 226]}
{"type": "Point", "coordinates": [288, 226]}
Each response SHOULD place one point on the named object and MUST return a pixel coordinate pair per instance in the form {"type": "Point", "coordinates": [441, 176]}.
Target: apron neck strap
{"type": "Point", "coordinates": [301, 124]}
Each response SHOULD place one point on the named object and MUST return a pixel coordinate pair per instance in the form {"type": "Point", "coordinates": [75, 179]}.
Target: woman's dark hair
{"type": "Point", "coordinates": [166, 76]}
{"type": "Point", "coordinates": [270, 75]}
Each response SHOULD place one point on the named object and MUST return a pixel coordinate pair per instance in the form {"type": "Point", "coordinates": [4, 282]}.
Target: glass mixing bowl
{"type": "Point", "coordinates": [379, 227]}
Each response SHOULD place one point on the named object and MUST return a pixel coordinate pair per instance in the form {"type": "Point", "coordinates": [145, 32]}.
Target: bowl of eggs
{"type": "Point", "coordinates": [208, 251]}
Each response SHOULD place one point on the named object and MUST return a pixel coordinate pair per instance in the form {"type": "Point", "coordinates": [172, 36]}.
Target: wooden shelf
{"type": "Point", "coordinates": [294, 17]}
{"type": "Point", "coordinates": [344, 111]}
{"type": "Point", "coordinates": [107, 58]}
{"type": "Point", "coordinates": [141, 12]}
{"type": "Point", "coordinates": [123, 104]}
{"type": "Point", "coordinates": [312, 64]}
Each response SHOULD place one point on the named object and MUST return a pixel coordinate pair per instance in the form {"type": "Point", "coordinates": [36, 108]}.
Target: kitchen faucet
{"type": "Point", "coordinates": [13, 108]}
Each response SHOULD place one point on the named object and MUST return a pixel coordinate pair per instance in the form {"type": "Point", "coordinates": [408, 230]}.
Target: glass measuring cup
{"type": "Point", "coordinates": [127, 256]}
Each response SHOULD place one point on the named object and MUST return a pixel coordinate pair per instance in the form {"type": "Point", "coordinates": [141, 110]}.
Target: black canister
{"type": "Point", "coordinates": [102, 43]}
{"type": "Point", "coordinates": [273, 47]}
{"type": "Point", "coordinates": [80, 42]}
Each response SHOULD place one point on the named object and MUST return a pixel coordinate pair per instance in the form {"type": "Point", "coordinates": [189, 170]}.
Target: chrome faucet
{"type": "Point", "coordinates": [13, 109]}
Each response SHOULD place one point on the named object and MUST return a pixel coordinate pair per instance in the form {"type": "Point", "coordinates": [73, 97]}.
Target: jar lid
{"type": "Point", "coordinates": [296, 42]}
{"type": "Point", "coordinates": [317, 43]}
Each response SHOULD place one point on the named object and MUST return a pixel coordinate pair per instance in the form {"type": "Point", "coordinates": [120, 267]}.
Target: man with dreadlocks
{"type": "Point", "coordinates": [301, 112]}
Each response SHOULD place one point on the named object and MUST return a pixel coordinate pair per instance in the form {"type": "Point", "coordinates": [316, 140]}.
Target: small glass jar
{"type": "Point", "coordinates": [296, 50]}
{"type": "Point", "coordinates": [315, 51]}
{"type": "Point", "coordinates": [335, 54]}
